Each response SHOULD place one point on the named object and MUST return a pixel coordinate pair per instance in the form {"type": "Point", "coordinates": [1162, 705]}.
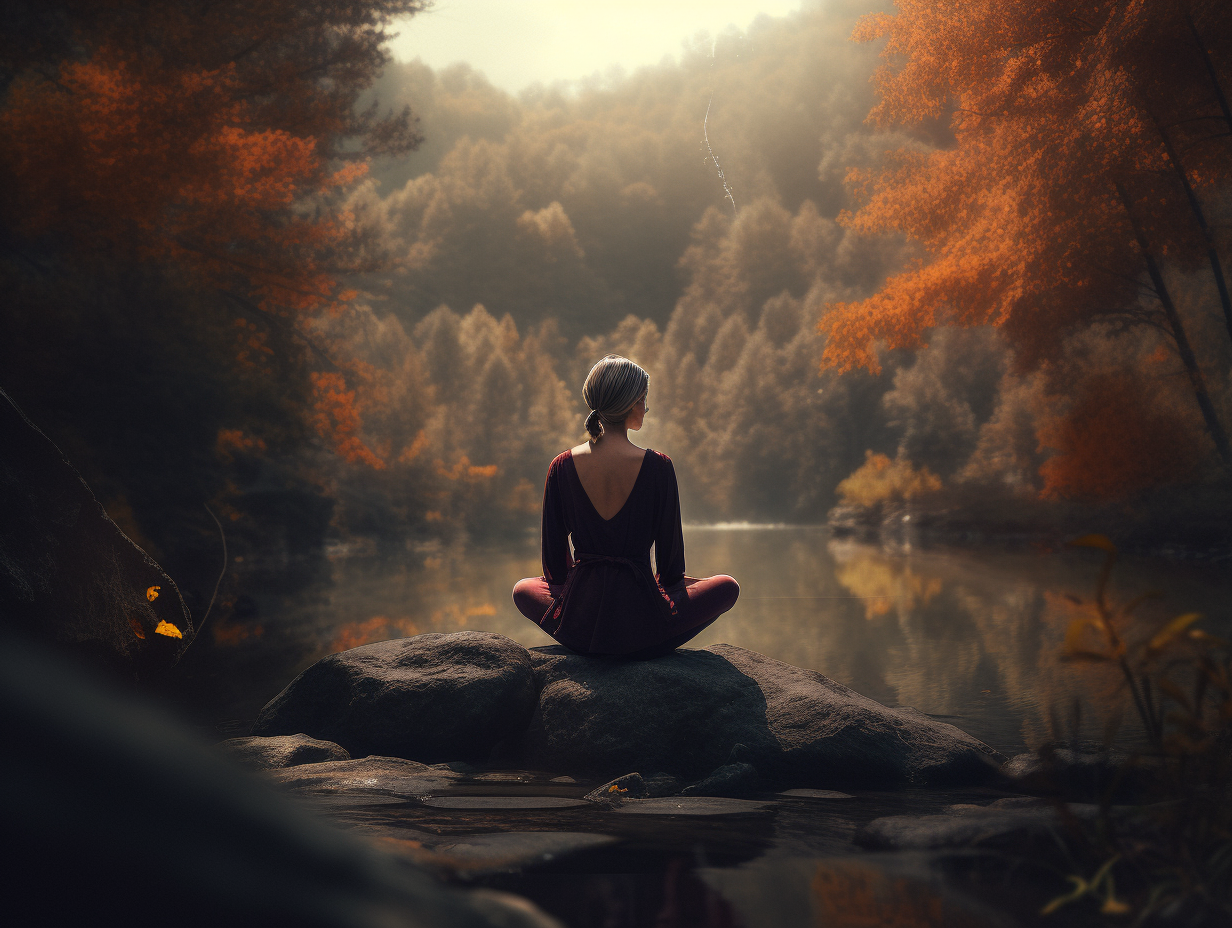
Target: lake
{"type": "Point", "coordinates": [970, 637]}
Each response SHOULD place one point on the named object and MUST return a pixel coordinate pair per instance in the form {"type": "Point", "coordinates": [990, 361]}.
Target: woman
{"type": "Point", "coordinates": [615, 500]}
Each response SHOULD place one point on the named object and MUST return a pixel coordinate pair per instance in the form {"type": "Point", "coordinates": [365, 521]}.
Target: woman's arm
{"type": "Point", "coordinates": [553, 533]}
{"type": "Point", "coordinates": [669, 535]}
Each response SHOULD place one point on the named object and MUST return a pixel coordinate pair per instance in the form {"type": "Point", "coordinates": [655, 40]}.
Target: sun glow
{"type": "Point", "coordinates": [518, 44]}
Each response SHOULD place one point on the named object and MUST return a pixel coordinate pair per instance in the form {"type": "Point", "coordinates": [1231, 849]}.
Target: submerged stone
{"type": "Point", "coordinates": [693, 805]}
{"type": "Point", "coordinates": [492, 803]}
{"type": "Point", "coordinates": [986, 827]}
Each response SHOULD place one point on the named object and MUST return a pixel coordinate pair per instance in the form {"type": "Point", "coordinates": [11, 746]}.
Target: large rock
{"type": "Point", "coordinates": [118, 816]}
{"type": "Point", "coordinates": [685, 713]}
{"type": "Point", "coordinates": [68, 575]}
{"type": "Point", "coordinates": [430, 698]}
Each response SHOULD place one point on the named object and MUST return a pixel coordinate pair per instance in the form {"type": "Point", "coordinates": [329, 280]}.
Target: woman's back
{"type": "Point", "coordinates": [608, 473]}
{"type": "Point", "coordinates": [649, 514]}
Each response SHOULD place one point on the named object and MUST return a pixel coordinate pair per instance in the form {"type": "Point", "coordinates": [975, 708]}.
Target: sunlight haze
{"type": "Point", "coordinates": [516, 43]}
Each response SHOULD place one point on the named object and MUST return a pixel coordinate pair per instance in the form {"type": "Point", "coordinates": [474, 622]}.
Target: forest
{"type": "Point", "coordinates": [967, 259]}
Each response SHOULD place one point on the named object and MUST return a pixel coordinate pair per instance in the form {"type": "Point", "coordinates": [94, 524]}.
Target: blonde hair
{"type": "Point", "coordinates": [611, 389]}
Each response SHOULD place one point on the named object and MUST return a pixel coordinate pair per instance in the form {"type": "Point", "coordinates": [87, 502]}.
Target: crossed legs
{"type": "Point", "coordinates": [699, 602]}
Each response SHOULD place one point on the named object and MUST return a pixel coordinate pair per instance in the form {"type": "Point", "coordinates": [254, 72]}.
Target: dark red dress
{"type": "Point", "coordinates": [615, 604]}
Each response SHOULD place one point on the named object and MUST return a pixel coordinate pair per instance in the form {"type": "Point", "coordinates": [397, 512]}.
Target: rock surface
{"type": "Point", "coordinates": [430, 698]}
{"type": "Point", "coordinates": [279, 751]}
{"type": "Point", "coordinates": [68, 575]}
{"type": "Point", "coordinates": [685, 713]}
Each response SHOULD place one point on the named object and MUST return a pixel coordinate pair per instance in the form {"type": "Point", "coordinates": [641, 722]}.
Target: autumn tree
{"type": "Point", "coordinates": [1093, 148]}
{"type": "Point", "coordinates": [171, 218]}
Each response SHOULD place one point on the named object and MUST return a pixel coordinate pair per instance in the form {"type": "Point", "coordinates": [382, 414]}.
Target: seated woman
{"type": "Point", "coordinates": [615, 500]}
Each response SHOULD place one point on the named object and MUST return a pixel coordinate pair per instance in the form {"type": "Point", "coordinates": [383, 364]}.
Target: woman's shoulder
{"type": "Point", "coordinates": [559, 460]}
{"type": "Point", "coordinates": [660, 459]}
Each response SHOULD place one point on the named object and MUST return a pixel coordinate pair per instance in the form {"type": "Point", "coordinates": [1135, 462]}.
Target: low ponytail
{"type": "Point", "coordinates": [593, 425]}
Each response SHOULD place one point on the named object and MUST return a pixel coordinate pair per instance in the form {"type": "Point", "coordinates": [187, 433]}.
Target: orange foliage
{"type": "Point", "coordinates": [1061, 112]}
{"type": "Point", "coordinates": [1115, 442]}
{"type": "Point", "coordinates": [230, 634]}
{"type": "Point", "coordinates": [233, 441]}
{"type": "Point", "coordinates": [855, 894]}
{"type": "Point", "coordinates": [463, 469]}
{"type": "Point", "coordinates": [142, 156]}
{"type": "Point", "coordinates": [880, 479]}
{"type": "Point", "coordinates": [377, 628]}
{"type": "Point", "coordinates": [336, 416]}
{"type": "Point", "coordinates": [208, 147]}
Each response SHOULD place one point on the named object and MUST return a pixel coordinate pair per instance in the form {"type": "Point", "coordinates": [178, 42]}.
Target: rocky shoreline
{"type": "Point", "coordinates": [540, 772]}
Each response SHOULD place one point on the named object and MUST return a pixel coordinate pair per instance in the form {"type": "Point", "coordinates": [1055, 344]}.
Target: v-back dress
{"type": "Point", "coordinates": [615, 604]}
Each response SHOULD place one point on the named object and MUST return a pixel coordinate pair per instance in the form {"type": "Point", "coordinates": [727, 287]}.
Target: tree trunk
{"type": "Point", "coordinates": [1196, 380]}
{"type": "Point", "coordinates": [1211, 254]}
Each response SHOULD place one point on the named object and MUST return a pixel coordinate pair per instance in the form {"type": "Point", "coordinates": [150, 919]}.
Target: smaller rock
{"type": "Point", "coordinates": [1079, 775]}
{"type": "Point", "coordinates": [731, 781]}
{"type": "Point", "coordinates": [280, 751]}
{"type": "Point", "coordinates": [1013, 828]}
{"type": "Point", "coordinates": [661, 784]}
{"type": "Point", "coordinates": [693, 805]}
{"type": "Point", "coordinates": [562, 780]}
{"type": "Point", "coordinates": [630, 786]}
{"type": "Point", "coordinates": [366, 776]}
{"type": "Point", "coordinates": [491, 803]}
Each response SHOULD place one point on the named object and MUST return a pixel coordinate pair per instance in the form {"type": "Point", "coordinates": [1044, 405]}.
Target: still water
{"type": "Point", "coordinates": [970, 637]}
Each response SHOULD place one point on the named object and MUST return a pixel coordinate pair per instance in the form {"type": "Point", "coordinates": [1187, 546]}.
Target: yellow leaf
{"type": "Point", "coordinates": [1165, 635]}
{"type": "Point", "coordinates": [151, 593]}
{"type": "Point", "coordinates": [1074, 637]}
{"type": "Point", "coordinates": [166, 628]}
{"type": "Point", "coordinates": [136, 627]}
{"type": "Point", "coordinates": [1113, 906]}
{"type": "Point", "coordinates": [1103, 542]}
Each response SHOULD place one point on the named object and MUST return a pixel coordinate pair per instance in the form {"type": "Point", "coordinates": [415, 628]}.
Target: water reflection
{"type": "Point", "coordinates": [971, 637]}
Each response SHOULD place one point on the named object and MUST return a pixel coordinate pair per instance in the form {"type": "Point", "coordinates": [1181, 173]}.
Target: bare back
{"type": "Point", "coordinates": [608, 472]}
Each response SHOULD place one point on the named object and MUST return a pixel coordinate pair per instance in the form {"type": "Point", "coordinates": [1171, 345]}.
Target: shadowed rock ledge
{"type": "Point", "coordinates": [478, 696]}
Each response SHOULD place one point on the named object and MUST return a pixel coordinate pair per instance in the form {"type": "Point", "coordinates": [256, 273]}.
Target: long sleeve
{"type": "Point", "coordinates": [669, 535]}
{"type": "Point", "coordinates": [553, 532]}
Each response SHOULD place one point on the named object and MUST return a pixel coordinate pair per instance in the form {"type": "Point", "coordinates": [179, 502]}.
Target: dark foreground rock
{"type": "Point", "coordinates": [68, 575]}
{"type": "Point", "coordinates": [281, 751]}
{"type": "Point", "coordinates": [119, 817]}
{"type": "Point", "coordinates": [430, 698]}
{"type": "Point", "coordinates": [685, 715]}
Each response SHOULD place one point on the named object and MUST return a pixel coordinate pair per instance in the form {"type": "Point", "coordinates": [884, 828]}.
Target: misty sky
{"type": "Point", "coordinates": [520, 42]}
